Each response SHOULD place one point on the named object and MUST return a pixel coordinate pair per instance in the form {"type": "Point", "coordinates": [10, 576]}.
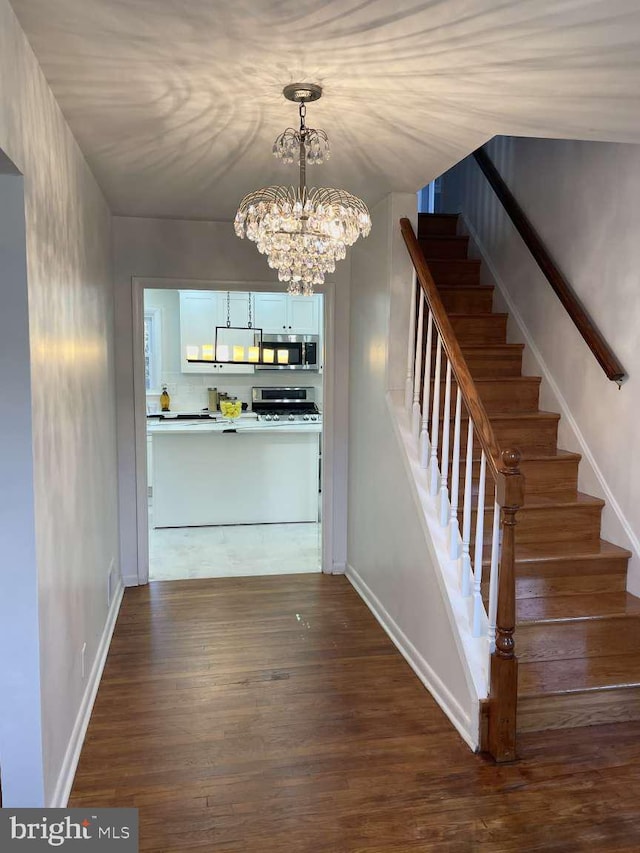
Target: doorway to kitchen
{"type": "Point", "coordinates": [234, 399]}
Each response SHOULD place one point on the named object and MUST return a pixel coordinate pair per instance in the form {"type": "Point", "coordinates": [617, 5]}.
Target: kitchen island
{"type": "Point", "coordinates": [214, 473]}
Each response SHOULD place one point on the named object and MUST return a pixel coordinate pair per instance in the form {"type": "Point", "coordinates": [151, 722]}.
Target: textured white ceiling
{"type": "Point", "coordinates": [176, 102]}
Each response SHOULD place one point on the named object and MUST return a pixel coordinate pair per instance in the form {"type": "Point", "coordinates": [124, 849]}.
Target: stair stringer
{"type": "Point", "coordinates": [473, 650]}
{"type": "Point", "coordinates": [615, 525]}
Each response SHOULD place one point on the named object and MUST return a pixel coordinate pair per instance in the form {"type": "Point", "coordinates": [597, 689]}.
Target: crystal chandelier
{"type": "Point", "coordinates": [303, 232]}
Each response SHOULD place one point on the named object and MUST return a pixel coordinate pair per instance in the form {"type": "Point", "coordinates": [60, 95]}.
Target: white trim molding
{"type": "Point", "coordinates": [74, 748]}
{"type": "Point", "coordinates": [330, 503]}
{"type": "Point", "coordinates": [466, 726]}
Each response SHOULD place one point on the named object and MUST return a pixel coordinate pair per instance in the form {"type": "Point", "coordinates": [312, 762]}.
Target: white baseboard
{"type": "Point", "coordinates": [466, 727]}
{"type": "Point", "coordinates": [633, 542]}
{"type": "Point", "coordinates": [74, 748]}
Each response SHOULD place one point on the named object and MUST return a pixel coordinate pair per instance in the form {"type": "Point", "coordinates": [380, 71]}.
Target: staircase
{"type": "Point", "coordinates": [578, 630]}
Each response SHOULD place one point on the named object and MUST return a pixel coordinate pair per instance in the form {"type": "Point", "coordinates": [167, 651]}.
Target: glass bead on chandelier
{"type": "Point", "coordinates": [303, 232]}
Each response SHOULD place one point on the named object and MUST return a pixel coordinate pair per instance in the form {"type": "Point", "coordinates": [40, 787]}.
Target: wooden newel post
{"type": "Point", "coordinates": [503, 696]}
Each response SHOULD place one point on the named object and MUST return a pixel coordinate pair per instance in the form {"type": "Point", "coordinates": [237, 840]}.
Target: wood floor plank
{"type": "Point", "coordinates": [268, 715]}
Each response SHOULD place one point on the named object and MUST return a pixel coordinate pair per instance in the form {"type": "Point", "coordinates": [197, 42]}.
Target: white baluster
{"type": "Point", "coordinates": [426, 395]}
{"type": "Point", "coordinates": [465, 583]}
{"type": "Point", "coordinates": [435, 422]}
{"type": "Point", "coordinates": [415, 424]}
{"type": "Point", "coordinates": [408, 385]}
{"type": "Point", "coordinates": [454, 531]}
{"type": "Point", "coordinates": [493, 575]}
{"type": "Point", "coordinates": [477, 559]}
{"type": "Point", "coordinates": [444, 455]}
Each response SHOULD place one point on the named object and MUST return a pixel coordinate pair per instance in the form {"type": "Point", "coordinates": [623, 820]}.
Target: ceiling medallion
{"type": "Point", "coordinates": [303, 232]}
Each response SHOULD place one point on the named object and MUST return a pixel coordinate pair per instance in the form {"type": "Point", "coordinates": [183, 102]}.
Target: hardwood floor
{"type": "Point", "coordinates": [273, 714]}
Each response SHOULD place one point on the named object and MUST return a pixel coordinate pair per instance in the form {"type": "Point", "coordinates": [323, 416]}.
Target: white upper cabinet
{"type": "Point", "coordinates": [279, 313]}
{"type": "Point", "coordinates": [200, 312]}
{"type": "Point", "coordinates": [198, 318]}
{"type": "Point", "coordinates": [303, 315]}
{"type": "Point", "coordinates": [271, 312]}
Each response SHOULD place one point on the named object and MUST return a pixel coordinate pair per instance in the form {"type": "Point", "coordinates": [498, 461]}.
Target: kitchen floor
{"type": "Point", "coordinates": [180, 553]}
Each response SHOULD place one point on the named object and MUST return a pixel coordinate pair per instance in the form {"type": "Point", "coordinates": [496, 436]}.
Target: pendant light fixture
{"type": "Point", "coordinates": [303, 232]}
{"type": "Point", "coordinates": [237, 344]}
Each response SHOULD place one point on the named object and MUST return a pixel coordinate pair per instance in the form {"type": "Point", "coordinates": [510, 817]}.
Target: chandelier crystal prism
{"type": "Point", "coordinates": [303, 232]}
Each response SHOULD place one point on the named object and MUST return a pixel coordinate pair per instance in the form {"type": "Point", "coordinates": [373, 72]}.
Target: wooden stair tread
{"type": "Point", "coordinates": [474, 288]}
{"type": "Point", "coordinates": [565, 608]}
{"type": "Point", "coordinates": [591, 549]}
{"type": "Point", "coordinates": [559, 455]}
{"type": "Point", "coordinates": [522, 416]}
{"type": "Point", "coordinates": [540, 501]}
{"type": "Point", "coordinates": [578, 674]}
{"type": "Point", "coordinates": [556, 456]}
{"type": "Point", "coordinates": [499, 380]}
{"type": "Point", "coordinates": [460, 316]}
{"type": "Point", "coordinates": [482, 348]}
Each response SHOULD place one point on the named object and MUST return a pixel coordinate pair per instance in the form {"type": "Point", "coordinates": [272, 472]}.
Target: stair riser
{"type": "Point", "coordinates": [436, 247]}
{"type": "Point", "coordinates": [552, 491]}
{"type": "Point", "coordinates": [433, 224]}
{"type": "Point", "coordinates": [492, 364]}
{"type": "Point", "coordinates": [497, 396]}
{"type": "Point", "coordinates": [557, 478]}
{"type": "Point", "coordinates": [582, 638]}
{"type": "Point", "coordinates": [455, 272]}
{"type": "Point", "coordinates": [583, 708]}
{"type": "Point", "coordinates": [536, 437]}
{"type": "Point", "coordinates": [483, 329]}
{"type": "Point", "coordinates": [583, 567]}
{"type": "Point", "coordinates": [467, 300]}
{"type": "Point", "coordinates": [575, 585]}
{"type": "Point", "coordinates": [568, 524]}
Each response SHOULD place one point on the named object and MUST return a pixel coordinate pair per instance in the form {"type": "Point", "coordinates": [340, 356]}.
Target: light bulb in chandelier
{"type": "Point", "coordinates": [302, 232]}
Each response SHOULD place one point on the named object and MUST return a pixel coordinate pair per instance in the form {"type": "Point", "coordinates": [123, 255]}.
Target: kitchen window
{"type": "Point", "coordinates": [152, 350]}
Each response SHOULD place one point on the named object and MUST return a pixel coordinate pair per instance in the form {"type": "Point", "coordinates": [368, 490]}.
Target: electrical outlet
{"type": "Point", "coordinates": [83, 655]}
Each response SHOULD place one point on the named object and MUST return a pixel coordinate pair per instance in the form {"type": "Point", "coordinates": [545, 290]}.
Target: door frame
{"type": "Point", "coordinates": [138, 286]}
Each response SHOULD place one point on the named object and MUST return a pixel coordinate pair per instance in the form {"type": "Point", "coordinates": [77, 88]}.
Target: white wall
{"type": "Point", "coordinates": [185, 252]}
{"type": "Point", "coordinates": [583, 199]}
{"type": "Point", "coordinates": [388, 553]}
{"type": "Point", "coordinates": [189, 391]}
{"type": "Point", "coordinates": [73, 425]}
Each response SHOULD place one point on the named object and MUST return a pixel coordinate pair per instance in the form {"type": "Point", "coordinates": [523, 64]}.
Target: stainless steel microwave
{"type": "Point", "coordinates": [303, 352]}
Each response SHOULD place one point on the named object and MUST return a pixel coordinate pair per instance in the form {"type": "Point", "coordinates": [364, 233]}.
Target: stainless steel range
{"type": "Point", "coordinates": [286, 404]}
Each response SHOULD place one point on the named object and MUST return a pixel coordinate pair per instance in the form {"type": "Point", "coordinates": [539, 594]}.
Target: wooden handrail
{"type": "Point", "coordinates": [503, 465]}
{"type": "Point", "coordinates": [561, 287]}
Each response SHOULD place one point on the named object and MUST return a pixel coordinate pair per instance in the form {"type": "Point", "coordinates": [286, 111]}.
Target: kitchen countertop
{"type": "Point", "coordinates": [174, 427]}
{"type": "Point", "coordinates": [203, 414]}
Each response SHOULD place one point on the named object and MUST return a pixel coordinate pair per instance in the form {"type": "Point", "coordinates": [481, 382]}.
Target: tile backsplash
{"type": "Point", "coordinates": [189, 391]}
